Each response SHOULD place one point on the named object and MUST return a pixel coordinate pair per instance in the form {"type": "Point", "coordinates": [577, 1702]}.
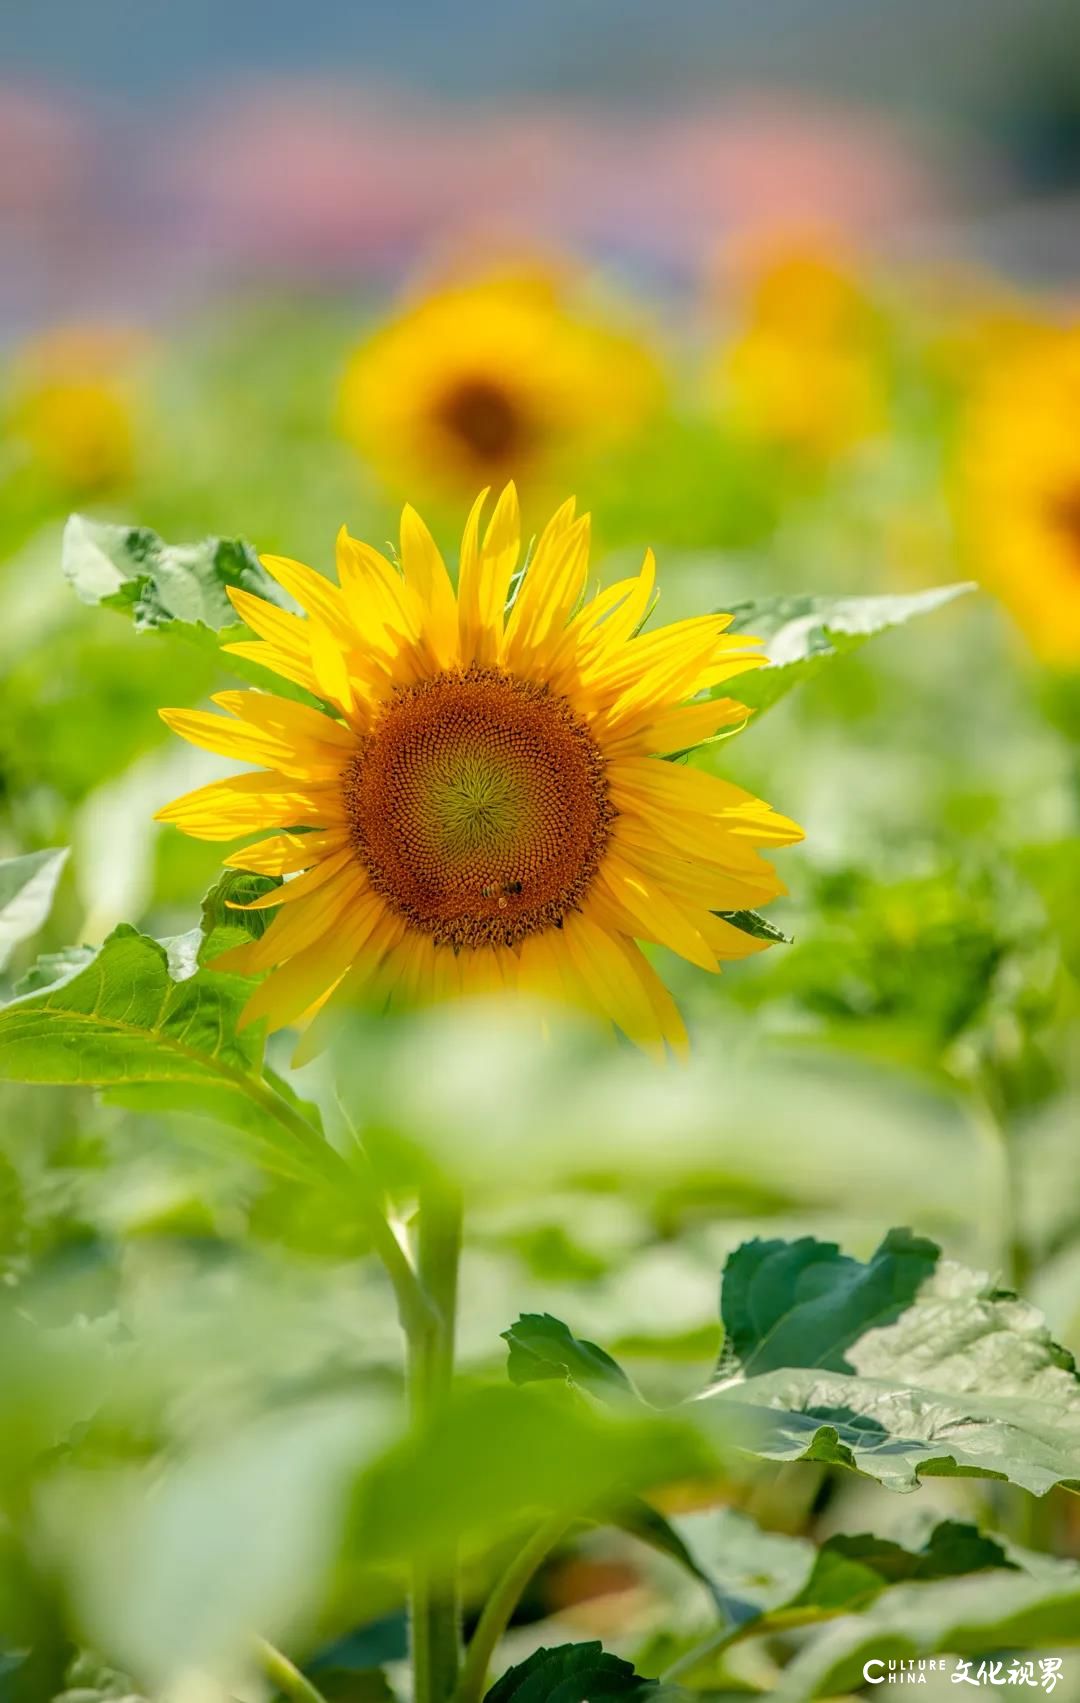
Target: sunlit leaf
{"type": "Point", "coordinates": [801, 634]}
{"type": "Point", "coordinates": [123, 1022]}
{"type": "Point", "coordinates": [173, 588]}
{"type": "Point", "coordinates": [832, 1361]}
{"type": "Point", "coordinates": [131, 568]}
{"type": "Point", "coordinates": [804, 1303]}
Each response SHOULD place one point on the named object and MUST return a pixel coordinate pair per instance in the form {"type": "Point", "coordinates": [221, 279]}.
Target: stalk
{"type": "Point", "coordinates": [435, 1614]}
{"type": "Point", "coordinates": [501, 1604]}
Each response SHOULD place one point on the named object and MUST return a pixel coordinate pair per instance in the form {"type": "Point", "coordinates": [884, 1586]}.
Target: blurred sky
{"type": "Point", "coordinates": [921, 54]}
{"type": "Point", "coordinates": [157, 152]}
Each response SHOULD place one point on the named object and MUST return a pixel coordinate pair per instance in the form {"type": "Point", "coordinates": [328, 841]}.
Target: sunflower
{"type": "Point", "coordinates": [481, 805]}
{"type": "Point", "coordinates": [485, 380]}
{"type": "Point", "coordinates": [1019, 487]}
{"type": "Point", "coordinates": [802, 371]}
{"type": "Point", "coordinates": [72, 403]}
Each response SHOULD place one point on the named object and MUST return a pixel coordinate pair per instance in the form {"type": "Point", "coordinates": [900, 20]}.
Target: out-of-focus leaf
{"type": "Point", "coordinates": [648, 1525]}
{"type": "Point", "coordinates": [497, 1456]}
{"type": "Point", "coordinates": [803, 1303]}
{"type": "Point", "coordinates": [968, 1617]}
{"type": "Point", "coordinates": [365, 1648]}
{"type": "Point", "coordinates": [965, 1379]}
{"type": "Point", "coordinates": [542, 1347]}
{"type": "Point", "coordinates": [848, 1572]}
{"type": "Point", "coordinates": [124, 1024]}
{"type": "Point", "coordinates": [801, 634]}
{"type": "Point", "coordinates": [575, 1673]}
{"type": "Point", "coordinates": [27, 885]}
{"type": "Point", "coordinates": [174, 1565]}
{"type": "Point", "coordinates": [51, 967]}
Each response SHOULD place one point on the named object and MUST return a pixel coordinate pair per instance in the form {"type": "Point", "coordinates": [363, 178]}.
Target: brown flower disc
{"type": "Point", "coordinates": [479, 807]}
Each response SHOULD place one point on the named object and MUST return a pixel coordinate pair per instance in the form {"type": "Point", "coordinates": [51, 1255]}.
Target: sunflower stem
{"type": "Point", "coordinates": [435, 1615]}
{"type": "Point", "coordinates": [501, 1604]}
{"type": "Point", "coordinates": [286, 1675]}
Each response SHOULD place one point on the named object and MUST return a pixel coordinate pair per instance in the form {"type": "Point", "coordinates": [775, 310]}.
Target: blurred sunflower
{"type": "Point", "coordinates": [801, 371]}
{"type": "Point", "coordinates": [485, 380]}
{"type": "Point", "coordinates": [71, 404]}
{"type": "Point", "coordinates": [481, 805]}
{"type": "Point", "coordinates": [1019, 487]}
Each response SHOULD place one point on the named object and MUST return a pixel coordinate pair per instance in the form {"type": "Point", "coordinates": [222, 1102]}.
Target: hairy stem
{"type": "Point", "coordinates": [501, 1604]}
{"type": "Point", "coordinates": [435, 1611]}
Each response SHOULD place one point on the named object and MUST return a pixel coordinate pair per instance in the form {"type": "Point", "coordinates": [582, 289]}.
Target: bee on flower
{"type": "Point", "coordinates": [481, 803]}
{"type": "Point", "coordinates": [1018, 487]}
{"type": "Point", "coordinates": [492, 379]}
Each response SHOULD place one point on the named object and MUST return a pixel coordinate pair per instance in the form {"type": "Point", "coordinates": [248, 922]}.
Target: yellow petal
{"type": "Point", "coordinates": [284, 854]}
{"type": "Point", "coordinates": [425, 572]}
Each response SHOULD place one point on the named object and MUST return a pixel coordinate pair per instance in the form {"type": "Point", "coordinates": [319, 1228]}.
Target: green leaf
{"type": "Point", "coordinates": [751, 922]}
{"type": "Point", "coordinates": [974, 1618]}
{"type": "Point", "coordinates": [49, 968]}
{"type": "Point", "coordinates": [802, 633]}
{"type": "Point", "coordinates": [173, 588]}
{"type": "Point", "coordinates": [641, 1520]}
{"type": "Point", "coordinates": [832, 1361]}
{"type": "Point", "coordinates": [803, 1303]}
{"type": "Point", "coordinates": [149, 1037]}
{"type": "Point", "coordinates": [542, 1347]}
{"type": "Point", "coordinates": [131, 568]}
{"type": "Point", "coordinates": [27, 885]}
{"type": "Point", "coordinates": [573, 1673]}
{"type": "Point", "coordinates": [494, 1457]}
{"type": "Point", "coordinates": [849, 1572]}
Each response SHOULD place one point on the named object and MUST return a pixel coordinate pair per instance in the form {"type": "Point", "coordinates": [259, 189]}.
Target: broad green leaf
{"type": "Point", "coordinates": [131, 568]}
{"type": "Point", "coordinates": [803, 1303]}
{"type": "Point", "coordinates": [125, 1024]}
{"type": "Point", "coordinates": [963, 1380]}
{"type": "Point", "coordinates": [769, 1582]}
{"type": "Point", "coordinates": [848, 1572]}
{"type": "Point", "coordinates": [174, 588]}
{"type": "Point", "coordinates": [980, 1619]}
{"type": "Point", "coordinates": [542, 1347]}
{"type": "Point", "coordinates": [27, 885]}
{"type": "Point", "coordinates": [801, 634]}
{"type": "Point", "coordinates": [574, 1673]}
{"type": "Point", "coordinates": [496, 1458]}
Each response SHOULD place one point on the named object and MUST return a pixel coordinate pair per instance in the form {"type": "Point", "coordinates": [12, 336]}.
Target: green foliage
{"type": "Point", "coordinates": [496, 1455]}
{"type": "Point", "coordinates": [801, 634]}
{"type": "Point", "coordinates": [542, 1347]}
{"type": "Point", "coordinates": [27, 885]}
{"type": "Point", "coordinates": [964, 1379]}
{"type": "Point", "coordinates": [150, 1024]}
{"type": "Point", "coordinates": [573, 1673]}
{"type": "Point", "coordinates": [804, 1303]}
{"type": "Point", "coordinates": [132, 569]}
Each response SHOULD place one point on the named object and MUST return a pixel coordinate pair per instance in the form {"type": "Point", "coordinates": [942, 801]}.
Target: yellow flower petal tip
{"type": "Point", "coordinates": [484, 807]}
